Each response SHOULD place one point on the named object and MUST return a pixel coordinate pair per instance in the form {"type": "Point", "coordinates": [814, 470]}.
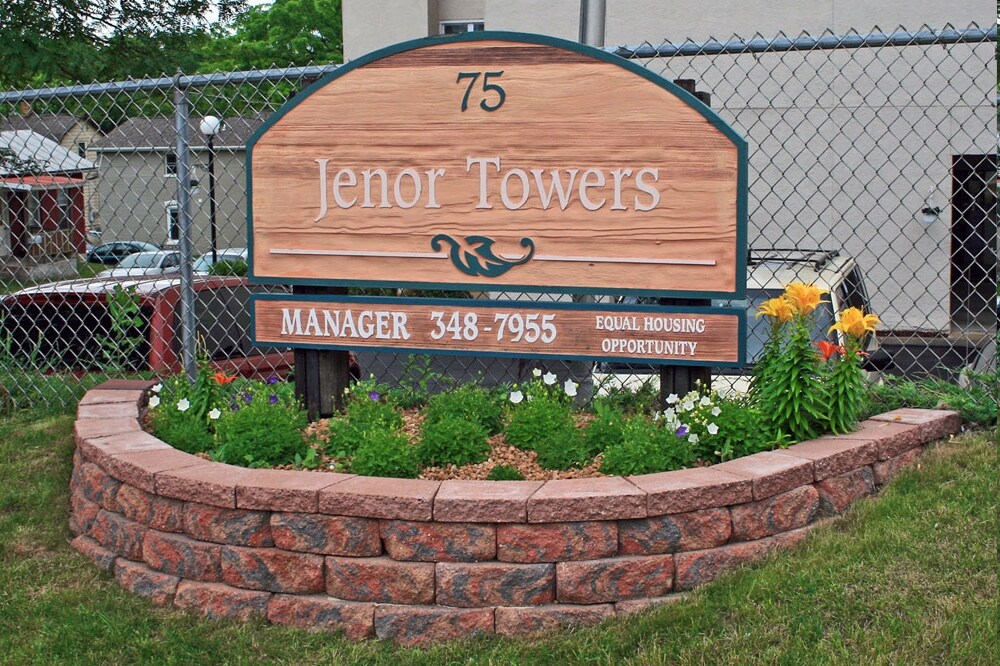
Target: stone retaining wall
{"type": "Point", "coordinates": [420, 561]}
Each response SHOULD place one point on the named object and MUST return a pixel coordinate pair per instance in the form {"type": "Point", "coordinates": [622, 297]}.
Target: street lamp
{"type": "Point", "coordinates": [210, 126]}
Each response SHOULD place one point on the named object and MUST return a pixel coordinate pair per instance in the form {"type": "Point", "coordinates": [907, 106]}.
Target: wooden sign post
{"type": "Point", "coordinates": [499, 162]}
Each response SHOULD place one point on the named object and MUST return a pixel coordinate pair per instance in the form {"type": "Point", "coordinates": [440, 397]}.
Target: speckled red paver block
{"type": "Point", "coordinates": [685, 490]}
{"type": "Point", "coordinates": [94, 485]}
{"type": "Point", "coordinates": [698, 567]}
{"type": "Point", "coordinates": [108, 410]}
{"type": "Point", "coordinates": [373, 497]}
{"type": "Point", "coordinates": [778, 513]}
{"type": "Point", "coordinates": [272, 569]}
{"type": "Point", "coordinates": [532, 620]}
{"type": "Point", "coordinates": [139, 469]}
{"type": "Point", "coordinates": [120, 536]}
{"type": "Point", "coordinates": [237, 527]}
{"type": "Point", "coordinates": [208, 483]}
{"type": "Point", "coordinates": [102, 557]}
{"type": "Point", "coordinates": [284, 490]}
{"type": "Point", "coordinates": [438, 542]}
{"type": "Point", "coordinates": [614, 579]}
{"type": "Point", "coordinates": [181, 556]}
{"type": "Point", "coordinates": [160, 513]}
{"type": "Point", "coordinates": [326, 535]}
{"type": "Point", "coordinates": [602, 498]}
{"type": "Point", "coordinates": [934, 423]}
{"type": "Point", "coordinates": [380, 579]}
{"type": "Point", "coordinates": [424, 625]}
{"type": "Point", "coordinates": [839, 492]}
{"type": "Point", "coordinates": [318, 612]}
{"type": "Point", "coordinates": [103, 396]}
{"type": "Point", "coordinates": [889, 437]}
{"type": "Point", "coordinates": [157, 587]}
{"type": "Point", "coordinates": [494, 584]}
{"type": "Point", "coordinates": [554, 542]}
{"type": "Point", "coordinates": [772, 472]}
{"type": "Point", "coordinates": [99, 449]}
{"type": "Point", "coordinates": [887, 470]}
{"type": "Point", "coordinates": [631, 606]}
{"type": "Point", "coordinates": [835, 455]}
{"type": "Point", "coordinates": [693, 530]}
{"type": "Point", "coordinates": [216, 600]}
{"type": "Point", "coordinates": [91, 428]}
{"type": "Point", "coordinates": [484, 501]}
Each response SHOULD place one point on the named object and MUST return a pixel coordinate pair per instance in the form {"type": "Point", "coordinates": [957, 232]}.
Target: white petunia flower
{"type": "Point", "coordinates": [214, 414]}
{"type": "Point", "coordinates": [672, 398]}
{"type": "Point", "coordinates": [154, 401]}
{"type": "Point", "coordinates": [156, 388]}
{"type": "Point", "coordinates": [693, 438]}
{"type": "Point", "coordinates": [670, 413]}
{"type": "Point", "coordinates": [537, 372]}
{"type": "Point", "coordinates": [716, 411]}
{"type": "Point", "coordinates": [705, 401]}
{"type": "Point", "coordinates": [713, 429]}
{"type": "Point", "coordinates": [183, 404]}
{"type": "Point", "coordinates": [516, 397]}
{"type": "Point", "coordinates": [569, 386]}
{"type": "Point", "coordinates": [656, 416]}
{"type": "Point", "coordinates": [687, 406]}
{"type": "Point", "coordinates": [549, 378]}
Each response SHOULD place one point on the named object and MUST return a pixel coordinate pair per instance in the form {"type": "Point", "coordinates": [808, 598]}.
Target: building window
{"type": "Point", "coordinates": [458, 27]}
{"type": "Point", "coordinates": [65, 204]}
{"type": "Point", "coordinates": [173, 223]}
{"type": "Point", "coordinates": [81, 149]}
{"type": "Point", "coordinates": [170, 164]}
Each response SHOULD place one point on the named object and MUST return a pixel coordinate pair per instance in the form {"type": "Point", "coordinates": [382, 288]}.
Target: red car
{"type": "Point", "coordinates": [67, 326]}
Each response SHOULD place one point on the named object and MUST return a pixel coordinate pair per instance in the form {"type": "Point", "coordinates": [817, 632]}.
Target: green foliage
{"type": "Point", "coordinates": [844, 385]}
{"type": "Point", "coordinates": [470, 402]}
{"type": "Point", "coordinates": [641, 399]}
{"type": "Point", "coordinates": [977, 402]}
{"type": "Point", "coordinates": [182, 430]}
{"type": "Point", "coordinates": [790, 394]}
{"type": "Point", "coordinates": [259, 433]}
{"type": "Point", "coordinates": [120, 346]}
{"type": "Point", "coordinates": [385, 453]}
{"type": "Point", "coordinates": [417, 382]}
{"type": "Point", "coordinates": [452, 440]}
{"type": "Point", "coordinates": [229, 267]}
{"type": "Point", "coordinates": [647, 447]}
{"type": "Point", "coordinates": [366, 413]}
{"type": "Point", "coordinates": [741, 432]}
{"type": "Point", "coordinates": [605, 429]}
{"type": "Point", "coordinates": [545, 424]}
{"type": "Point", "coordinates": [505, 473]}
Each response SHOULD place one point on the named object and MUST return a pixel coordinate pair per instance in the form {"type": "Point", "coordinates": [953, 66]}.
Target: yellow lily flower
{"type": "Point", "coordinates": [854, 322]}
{"type": "Point", "coordinates": [804, 297]}
{"type": "Point", "coordinates": [778, 307]}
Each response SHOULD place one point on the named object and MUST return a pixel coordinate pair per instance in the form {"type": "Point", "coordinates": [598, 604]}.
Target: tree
{"type": "Point", "coordinates": [43, 42]}
{"type": "Point", "coordinates": [286, 33]}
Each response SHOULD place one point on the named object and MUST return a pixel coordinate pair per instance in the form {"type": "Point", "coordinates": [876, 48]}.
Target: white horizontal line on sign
{"type": "Point", "coordinates": [440, 255]}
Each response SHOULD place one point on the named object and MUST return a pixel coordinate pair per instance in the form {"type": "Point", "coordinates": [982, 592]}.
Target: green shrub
{"type": "Point", "coordinates": [641, 399]}
{"type": "Point", "coordinates": [385, 453]}
{"type": "Point", "coordinates": [741, 433]}
{"type": "Point", "coordinates": [261, 431]}
{"type": "Point", "coordinates": [505, 473]}
{"type": "Point", "coordinates": [229, 267]}
{"type": "Point", "coordinates": [182, 430]}
{"type": "Point", "coordinates": [647, 447]}
{"type": "Point", "coordinates": [977, 402]}
{"type": "Point", "coordinates": [469, 402]}
{"type": "Point", "coordinates": [545, 425]}
{"type": "Point", "coordinates": [452, 441]}
{"type": "Point", "coordinates": [604, 430]}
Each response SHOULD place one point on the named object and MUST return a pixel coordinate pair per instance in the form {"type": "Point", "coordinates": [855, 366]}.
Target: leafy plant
{"type": "Point", "coordinates": [647, 447]}
{"type": "Point", "coordinates": [505, 473]}
{"type": "Point", "coordinates": [470, 402]}
{"type": "Point", "coordinates": [452, 440]}
{"type": "Point", "coordinates": [640, 399]}
{"type": "Point", "coordinates": [605, 429]}
{"type": "Point", "coordinates": [386, 453]}
{"type": "Point", "coordinates": [124, 336]}
{"type": "Point", "coordinates": [229, 267]}
{"type": "Point", "coordinates": [261, 432]}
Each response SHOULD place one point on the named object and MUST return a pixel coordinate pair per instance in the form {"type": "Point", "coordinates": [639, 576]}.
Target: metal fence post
{"type": "Point", "coordinates": [188, 339]}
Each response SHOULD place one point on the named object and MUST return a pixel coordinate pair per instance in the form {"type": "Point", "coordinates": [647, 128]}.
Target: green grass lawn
{"type": "Point", "coordinates": [907, 578]}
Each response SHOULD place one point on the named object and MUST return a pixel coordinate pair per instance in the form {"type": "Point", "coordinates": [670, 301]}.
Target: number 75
{"type": "Point", "coordinates": [487, 87]}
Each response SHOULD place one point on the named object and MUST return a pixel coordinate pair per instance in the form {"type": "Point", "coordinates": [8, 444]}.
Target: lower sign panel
{"type": "Point", "coordinates": [645, 333]}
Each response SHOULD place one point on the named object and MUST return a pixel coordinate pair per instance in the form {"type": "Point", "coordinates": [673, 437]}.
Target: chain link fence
{"type": "Point", "coordinates": [873, 166]}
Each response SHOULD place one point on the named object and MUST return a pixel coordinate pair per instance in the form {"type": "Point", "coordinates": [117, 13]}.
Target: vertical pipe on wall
{"type": "Point", "coordinates": [188, 339]}
{"type": "Point", "coordinates": [592, 15]}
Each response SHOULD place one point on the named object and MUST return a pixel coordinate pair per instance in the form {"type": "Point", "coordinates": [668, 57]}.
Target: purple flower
{"type": "Point", "coordinates": [273, 380]}
{"type": "Point", "coordinates": [273, 400]}
{"type": "Point", "coordinates": [234, 407]}
{"type": "Point", "coordinates": [682, 431]}
{"type": "Point", "coordinates": [247, 398]}
{"type": "Point", "coordinates": [374, 396]}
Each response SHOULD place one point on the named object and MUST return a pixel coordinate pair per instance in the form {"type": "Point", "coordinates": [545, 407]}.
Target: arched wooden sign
{"type": "Point", "coordinates": [503, 161]}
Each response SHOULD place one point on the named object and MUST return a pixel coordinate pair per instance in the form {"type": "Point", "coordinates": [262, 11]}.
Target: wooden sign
{"type": "Point", "coordinates": [650, 334]}
{"type": "Point", "coordinates": [499, 161]}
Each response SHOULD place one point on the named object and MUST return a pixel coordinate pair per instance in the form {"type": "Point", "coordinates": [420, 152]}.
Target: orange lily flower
{"type": "Point", "coordinates": [222, 378]}
{"type": "Point", "coordinates": [804, 297]}
{"type": "Point", "coordinates": [828, 349]}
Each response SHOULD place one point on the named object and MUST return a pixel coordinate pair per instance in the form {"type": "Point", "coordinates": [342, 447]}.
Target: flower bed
{"type": "Point", "coordinates": [419, 561]}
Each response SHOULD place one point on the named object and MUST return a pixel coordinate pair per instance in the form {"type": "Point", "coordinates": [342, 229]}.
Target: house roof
{"type": "Point", "coordinates": [52, 126]}
{"type": "Point", "coordinates": [39, 182]}
{"type": "Point", "coordinates": [159, 134]}
{"type": "Point", "coordinates": [33, 153]}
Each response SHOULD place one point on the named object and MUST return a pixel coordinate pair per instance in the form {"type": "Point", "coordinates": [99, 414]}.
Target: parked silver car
{"type": "Point", "coordinates": [145, 264]}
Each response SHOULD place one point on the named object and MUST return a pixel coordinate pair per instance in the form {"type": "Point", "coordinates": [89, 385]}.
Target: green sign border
{"type": "Point", "coordinates": [504, 36]}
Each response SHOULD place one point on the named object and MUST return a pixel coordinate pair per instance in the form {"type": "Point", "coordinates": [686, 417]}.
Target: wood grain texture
{"type": "Point", "coordinates": [594, 333]}
{"type": "Point", "coordinates": [562, 111]}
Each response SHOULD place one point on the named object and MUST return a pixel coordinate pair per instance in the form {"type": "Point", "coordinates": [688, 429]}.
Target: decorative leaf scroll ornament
{"type": "Point", "coordinates": [474, 255]}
